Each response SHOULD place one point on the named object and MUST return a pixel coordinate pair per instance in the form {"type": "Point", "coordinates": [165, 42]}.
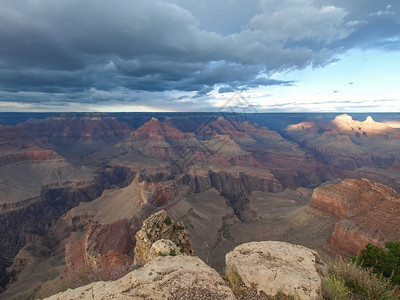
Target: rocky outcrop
{"type": "Point", "coordinates": [271, 267]}
{"type": "Point", "coordinates": [179, 277]}
{"type": "Point", "coordinates": [156, 227]}
{"type": "Point", "coordinates": [368, 212]}
{"type": "Point", "coordinates": [268, 267]}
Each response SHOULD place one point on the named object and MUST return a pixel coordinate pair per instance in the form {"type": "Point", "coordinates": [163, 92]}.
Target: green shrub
{"type": "Point", "coordinates": [282, 296]}
{"type": "Point", "coordinates": [172, 252]}
{"type": "Point", "coordinates": [167, 221]}
{"type": "Point", "coordinates": [383, 262]}
{"type": "Point", "coordinates": [161, 254]}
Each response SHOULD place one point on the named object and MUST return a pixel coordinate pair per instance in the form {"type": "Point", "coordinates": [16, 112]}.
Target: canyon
{"type": "Point", "coordinates": [75, 189]}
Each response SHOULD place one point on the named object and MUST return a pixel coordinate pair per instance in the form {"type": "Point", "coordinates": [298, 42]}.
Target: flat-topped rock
{"type": "Point", "coordinates": [170, 277]}
{"type": "Point", "coordinates": [273, 267]}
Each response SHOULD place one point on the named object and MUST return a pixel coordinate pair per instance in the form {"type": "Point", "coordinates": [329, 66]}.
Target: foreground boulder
{"type": "Point", "coordinates": [170, 277]}
{"type": "Point", "coordinates": [156, 227]}
{"type": "Point", "coordinates": [273, 267]}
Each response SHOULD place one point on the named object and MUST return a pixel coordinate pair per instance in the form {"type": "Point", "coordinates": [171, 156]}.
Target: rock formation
{"type": "Point", "coordinates": [179, 277]}
{"type": "Point", "coordinates": [160, 226]}
{"type": "Point", "coordinates": [347, 144]}
{"type": "Point", "coordinates": [271, 267]}
{"type": "Point", "coordinates": [103, 251]}
{"type": "Point", "coordinates": [368, 212]}
{"type": "Point", "coordinates": [268, 267]}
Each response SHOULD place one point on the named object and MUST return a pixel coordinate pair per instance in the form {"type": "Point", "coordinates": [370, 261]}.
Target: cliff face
{"type": "Point", "coordinates": [367, 212]}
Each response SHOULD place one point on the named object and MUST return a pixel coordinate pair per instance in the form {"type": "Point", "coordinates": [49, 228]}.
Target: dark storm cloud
{"type": "Point", "coordinates": [72, 50]}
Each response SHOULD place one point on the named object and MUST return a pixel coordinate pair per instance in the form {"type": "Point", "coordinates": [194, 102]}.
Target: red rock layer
{"type": "Point", "coordinates": [369, 212]}
{"type": "Point", "coordinates": [103, 251]}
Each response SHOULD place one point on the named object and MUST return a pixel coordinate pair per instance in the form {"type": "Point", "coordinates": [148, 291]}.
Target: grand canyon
{"type": "Point", "coordinates": [75, 188]}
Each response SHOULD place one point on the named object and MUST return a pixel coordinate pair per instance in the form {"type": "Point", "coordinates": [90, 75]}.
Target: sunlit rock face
{"type": "Point", "coordinates": [347, 144]}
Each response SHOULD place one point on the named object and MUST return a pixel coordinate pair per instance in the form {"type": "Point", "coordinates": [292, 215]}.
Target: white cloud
{"type": "Point", "coordinates": [297, 20]}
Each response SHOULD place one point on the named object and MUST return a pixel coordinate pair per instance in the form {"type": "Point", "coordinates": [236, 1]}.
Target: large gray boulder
{"type": "Point", "coordinates": [273, 267]}
{"type": "Point", "coordinates": [170, 277]}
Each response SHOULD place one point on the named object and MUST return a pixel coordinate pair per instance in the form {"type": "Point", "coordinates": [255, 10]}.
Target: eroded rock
{"type": "Point", "coordinates": [156, 227]}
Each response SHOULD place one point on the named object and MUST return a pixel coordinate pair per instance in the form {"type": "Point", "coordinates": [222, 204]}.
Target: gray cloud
{"type": "Point", "coordinates": [65, 50]}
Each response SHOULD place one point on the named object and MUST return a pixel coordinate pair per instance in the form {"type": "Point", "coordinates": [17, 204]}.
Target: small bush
{"type": "Point", "coordinates": [172, 252]}
{"type": "Point", "coordinates": [362, 283]}
{"type": "Point", "coordinates": [161, 254]}
{"type": "Point", "coordinates": [182, 250]}
{"type": "Point", "coordinates": [167, 221]}
{"type": "Point", "coordinates": [235, 282]}
{"type": "Point", "coordinates": [335, 289]}
{"type": "Point", "coordinates": [383, 262]}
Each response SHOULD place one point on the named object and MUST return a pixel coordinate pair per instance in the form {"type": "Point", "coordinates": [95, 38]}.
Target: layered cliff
{"type": "Point", "coordinates": [368, 212]}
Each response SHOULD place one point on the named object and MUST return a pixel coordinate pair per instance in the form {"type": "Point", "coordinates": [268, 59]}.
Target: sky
{"type": "Point", "coordinates": [192, 55]}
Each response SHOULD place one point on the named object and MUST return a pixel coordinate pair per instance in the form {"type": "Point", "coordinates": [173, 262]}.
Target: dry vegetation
{"type": "Point", "coordinates": [346, 280]}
